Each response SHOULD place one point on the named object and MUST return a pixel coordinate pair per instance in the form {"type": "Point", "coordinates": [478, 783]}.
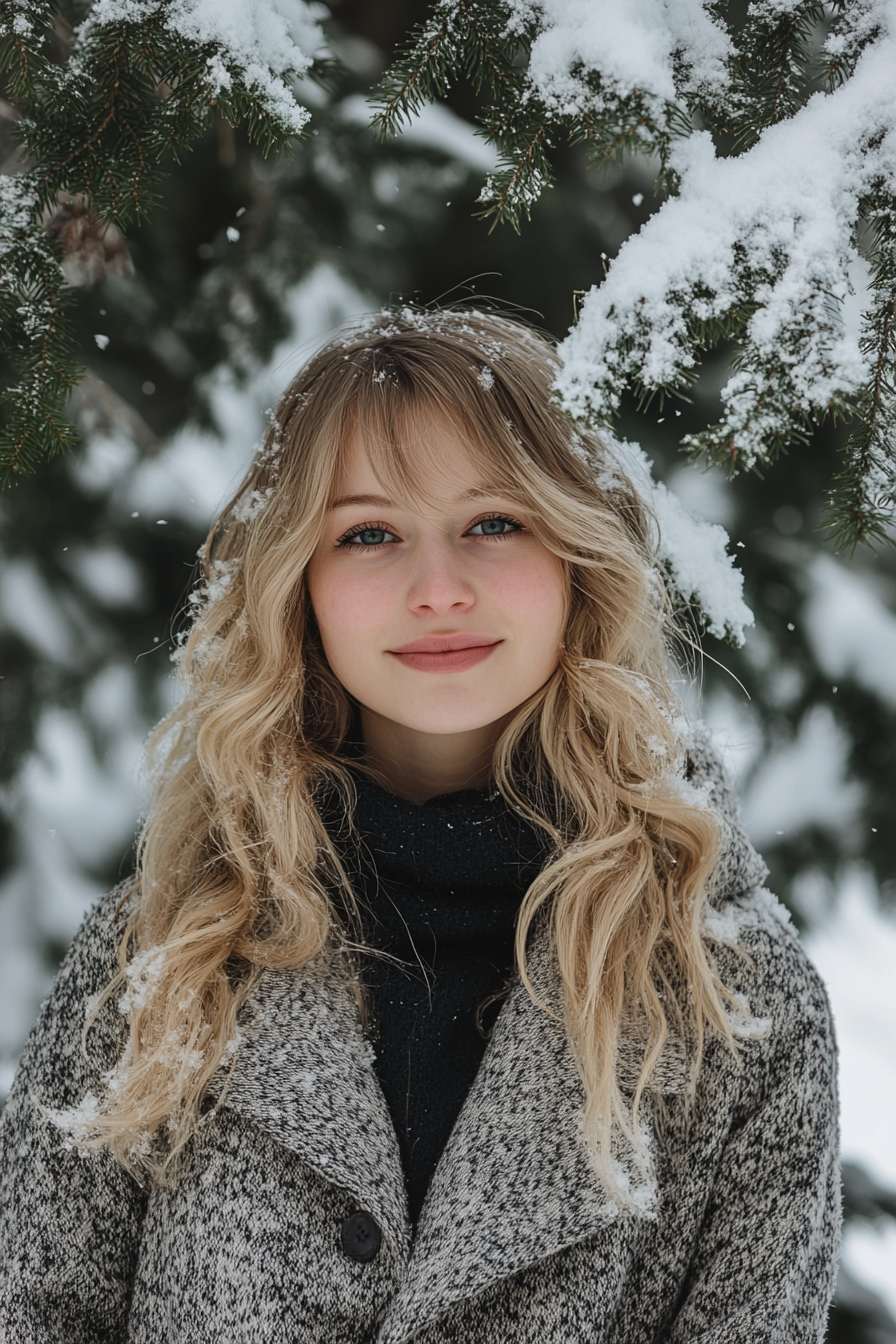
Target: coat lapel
{"type": "Point", "coordinates": [515, 1183]}
{"type": "Point", "coordinates": [303, 1073]}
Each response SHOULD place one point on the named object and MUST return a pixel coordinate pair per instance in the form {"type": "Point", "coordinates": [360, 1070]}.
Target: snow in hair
{"type": "Point", "coordinates": [463, 323]}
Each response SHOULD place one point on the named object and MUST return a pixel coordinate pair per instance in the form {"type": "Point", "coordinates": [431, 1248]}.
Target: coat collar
{"type": "Point", "coordinates": [514, 1183]}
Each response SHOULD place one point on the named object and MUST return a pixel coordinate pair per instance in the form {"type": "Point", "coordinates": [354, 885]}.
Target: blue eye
{"type": "Point", "coordinates": [367, 536]}
{"type": "Point", "coordinates": [494, 527]}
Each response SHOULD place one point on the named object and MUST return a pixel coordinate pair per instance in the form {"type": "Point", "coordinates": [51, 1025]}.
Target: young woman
{"type": "Point", "coordinates": [446, 1004]}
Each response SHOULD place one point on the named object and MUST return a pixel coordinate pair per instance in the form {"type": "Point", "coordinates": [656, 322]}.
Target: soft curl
{"type": "Point", "coordinates": [236, 870]}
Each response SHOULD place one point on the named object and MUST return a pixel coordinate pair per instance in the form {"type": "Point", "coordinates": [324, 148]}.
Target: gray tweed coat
{"type": "Point", "coordinates": [733, 1241]}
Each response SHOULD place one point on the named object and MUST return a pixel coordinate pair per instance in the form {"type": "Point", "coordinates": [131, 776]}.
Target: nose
{"type": "Point", "coordinates": [439, 584]}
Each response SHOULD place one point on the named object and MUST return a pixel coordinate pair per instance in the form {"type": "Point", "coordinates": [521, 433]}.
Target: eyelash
{"type": "Point", "coordinates": [346, 540]}
{"type": "Point", "coordinates": [499, 518]}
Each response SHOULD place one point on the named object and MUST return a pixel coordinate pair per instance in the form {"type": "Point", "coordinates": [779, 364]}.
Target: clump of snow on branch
{"type": "Point", "coordinates": [264, 44]}
{"type": "Point", "coordinates": [660, 49]}
{"type": "Point", "coordinates": [694, 550]}
{"type": "Point", "coordinates": [22, 18]}
{"type": "Point", "coordinates": [772, 227]}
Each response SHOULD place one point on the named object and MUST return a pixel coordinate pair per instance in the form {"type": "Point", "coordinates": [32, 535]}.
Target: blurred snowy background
{"type": "Point", "coordinates": [247, 265]}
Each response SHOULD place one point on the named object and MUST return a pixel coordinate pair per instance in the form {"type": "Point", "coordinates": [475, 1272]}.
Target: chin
{"type": "Point", "coordinates": [448, 728]}
{"type": "Point", "coordinates": [443, 724]}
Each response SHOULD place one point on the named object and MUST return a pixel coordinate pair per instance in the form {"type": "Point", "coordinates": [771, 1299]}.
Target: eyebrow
{"type": "Point", "coordinates": [380, 501]}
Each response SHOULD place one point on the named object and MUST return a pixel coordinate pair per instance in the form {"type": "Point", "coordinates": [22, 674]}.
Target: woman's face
{"type": "Point", "coordinates": [442, 618]}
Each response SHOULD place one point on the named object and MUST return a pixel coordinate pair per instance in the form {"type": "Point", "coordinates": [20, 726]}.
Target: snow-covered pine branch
{"type": "Point", "coordinates": [779, 233]}
{"type": "Point", "coordinates": [761, 247]}
{"type": "Point", "coordinates": [32, 321]}
{"type": "Point", "coordinates": [622, 75]}
{"type": "Point", "coordinates": [251, 51]}
{"type": "Point", "coordinates": [693, 552]}
{"type": "Point", "coordinates": [141, 81]}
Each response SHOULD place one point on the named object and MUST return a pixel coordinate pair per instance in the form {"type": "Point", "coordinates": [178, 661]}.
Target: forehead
{"type": "Point", "coordinates": [430, 461]}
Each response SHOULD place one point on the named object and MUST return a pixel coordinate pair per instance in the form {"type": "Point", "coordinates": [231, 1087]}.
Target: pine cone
{"type": "Point", "coordinates": [91, 250]}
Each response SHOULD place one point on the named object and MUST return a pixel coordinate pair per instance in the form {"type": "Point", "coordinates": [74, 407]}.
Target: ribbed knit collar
{"type": "Point", "coordinates": [465, 848]}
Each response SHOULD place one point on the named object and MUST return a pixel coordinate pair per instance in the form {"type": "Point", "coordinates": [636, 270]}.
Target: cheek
{"type": "Point", "coordinates": [533, 597]}
{"type": "Point", "coordinates": [345, 609]}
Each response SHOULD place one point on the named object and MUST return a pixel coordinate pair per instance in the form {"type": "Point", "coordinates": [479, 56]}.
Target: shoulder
{"type": "Point", "coordinates": [54, 1062]}
{"type": "Point", "coordinates": [760, 957]}
{"type": "Point", "coordinates": [92, 959]}
{"type": "Point", "coordinates": [739, 868]}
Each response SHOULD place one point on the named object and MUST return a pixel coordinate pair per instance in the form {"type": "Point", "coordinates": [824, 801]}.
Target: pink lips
{"type": "Point", "coordinates": [446, 653]}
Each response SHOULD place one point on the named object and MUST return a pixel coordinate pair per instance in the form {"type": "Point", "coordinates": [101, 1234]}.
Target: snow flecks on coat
{"type": "Point", "coordinates": [517, 1239]}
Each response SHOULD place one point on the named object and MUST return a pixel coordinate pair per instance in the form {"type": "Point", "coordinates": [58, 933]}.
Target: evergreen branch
{"type": "Point", "coordinates": [490, 43]}
{"type": "Point", "coordinates": [414, 80]}
{"type": "Point", "coordinates": [23, 27]}
{"type": "Point", "coordinates": [518, 181]}
{"type": "Point", "coordinates": [855, 26]}
{"type": "Point", "coordinates": [96, 129]}
{"type": "Point", "coordinates": [461, 36]}
{"type": "Point", "coordinates": [489, 60]}
{"type": "Point", "coordinates": [863, 500]}
{"type": "Point", "coordinates": [628, 127]}
{"type": "Point", "coordinates": [772, 71]}
{"type": "Point", "coordinates": [609, 149]}
{"type": "Point", "coordinates": [33, 331]}
{"type": "Point", "coordinates": [766, 267]}
{"type": "Point", "coordinates": [778, 392]}
{"type": "Point", "coordinates": [854, 513]}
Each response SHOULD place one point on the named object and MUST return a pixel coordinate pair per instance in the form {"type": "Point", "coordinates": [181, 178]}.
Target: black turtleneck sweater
{"type": "Point", "coordinates": [439, 886]}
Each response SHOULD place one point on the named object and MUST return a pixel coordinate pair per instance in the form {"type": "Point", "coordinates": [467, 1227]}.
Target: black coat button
{"type": "Point", "coordinates": [361, 1236]}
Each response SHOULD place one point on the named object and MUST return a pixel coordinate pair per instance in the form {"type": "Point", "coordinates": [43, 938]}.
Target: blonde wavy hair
{"type": "Point", "coordinates": [236, 870]}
